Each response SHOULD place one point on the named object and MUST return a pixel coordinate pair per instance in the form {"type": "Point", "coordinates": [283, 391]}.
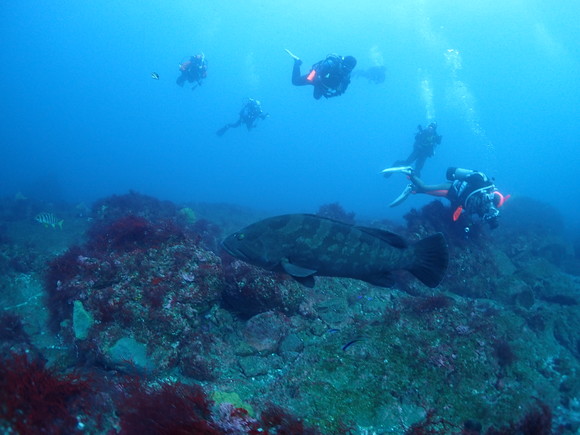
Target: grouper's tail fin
{"type": "Point", "coordinates": [431, 260]}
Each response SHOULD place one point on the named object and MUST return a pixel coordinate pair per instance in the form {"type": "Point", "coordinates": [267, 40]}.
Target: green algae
{"type": "Point", "coordinates": [233, 398]}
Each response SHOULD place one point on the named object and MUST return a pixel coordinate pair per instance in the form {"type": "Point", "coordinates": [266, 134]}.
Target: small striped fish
{"type": "Point", "coordinates": [48, 219]}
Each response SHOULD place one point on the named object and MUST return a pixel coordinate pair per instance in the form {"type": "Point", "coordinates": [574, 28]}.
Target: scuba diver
{"type": "Point", "coordinates": [193, 70]}
{"type": "Point", "coordinates": [426, 139]}
{"type": "Point", "coordinates": [376, 74]}
{"type": "Point", "coordinates": [470, 192]}
{"type": "Point", "coordinates": [250, 113]}
{"type": "Point", "coordinates": [330, 77]}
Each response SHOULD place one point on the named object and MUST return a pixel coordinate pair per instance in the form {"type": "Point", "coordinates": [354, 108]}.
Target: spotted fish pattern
{"type": "Point", "coordinates": [306, 245]}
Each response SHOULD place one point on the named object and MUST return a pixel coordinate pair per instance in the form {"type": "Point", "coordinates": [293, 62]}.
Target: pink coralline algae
{"type": "Point", "coordinates": [140, 279]}
{"type": "Point", "coordinates": [232, 420]}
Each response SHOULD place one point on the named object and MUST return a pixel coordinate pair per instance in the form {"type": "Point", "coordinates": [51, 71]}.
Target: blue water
{"type": "Point", "coordinates": [81, 117]}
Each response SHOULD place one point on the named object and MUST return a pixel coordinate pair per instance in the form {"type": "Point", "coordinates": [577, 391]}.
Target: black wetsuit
{"type": "Point", "coordinates": [475, 195]}
{"type": "Point", "coordinates": [424, 147]}
{"type": "Point", "coordinates": [327, 76]}
{"type": "Point", "coordinates": [249, 114]}
{"type": "Point", "coordinates": [194, 71]}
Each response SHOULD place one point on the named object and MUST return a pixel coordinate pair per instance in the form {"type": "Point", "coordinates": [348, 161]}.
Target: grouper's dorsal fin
{"type": "Point", "coordinates": [294, 270]}
{"type": "Point", "coordinates": [392, 239]}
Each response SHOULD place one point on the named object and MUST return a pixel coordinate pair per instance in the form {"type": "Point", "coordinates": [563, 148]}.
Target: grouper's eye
{"type": "Point", "coordinates": [240, 236]}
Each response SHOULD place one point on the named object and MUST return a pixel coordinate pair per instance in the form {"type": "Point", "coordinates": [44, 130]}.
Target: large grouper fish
{"type": "Point", "coordinates": [305, 245]}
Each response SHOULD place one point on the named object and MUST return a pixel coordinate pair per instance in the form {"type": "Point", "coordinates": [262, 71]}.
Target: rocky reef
{"type": "Point", "coordinates": [139, 312]}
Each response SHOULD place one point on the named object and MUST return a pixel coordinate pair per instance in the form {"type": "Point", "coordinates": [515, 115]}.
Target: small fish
{"type": "Point", "coordinates": [49, 219]}
{"type": "Point", "coordinates": [350, 343]}
{"type": "Point", "coordinates": [154, 76]}
{"type": "Point", "coordinates": [20, 197]}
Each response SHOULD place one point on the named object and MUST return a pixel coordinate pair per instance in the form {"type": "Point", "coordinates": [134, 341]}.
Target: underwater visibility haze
{"type": "Point", "coordinates": [117, 193]}
{"type": "Point", "coordinates": [82, 117]}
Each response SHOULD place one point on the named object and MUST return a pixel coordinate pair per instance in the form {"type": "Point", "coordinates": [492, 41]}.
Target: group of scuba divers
{"type": "Point", "coordinates": [330, 77]}
{"type": "Point", "coordinates": [194, 71]}
{"type": "Point", "coordinates": [470, 192]}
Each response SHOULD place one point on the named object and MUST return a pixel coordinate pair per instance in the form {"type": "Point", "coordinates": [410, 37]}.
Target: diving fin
{"type": "Point", "coordinates": [292, 55]}
{"type": "Point", "coordinates": [222, 130]}
{"type": "Point", "coordinates": [407, 170]}
{"type": "Point", "coordinates": [403, 196]}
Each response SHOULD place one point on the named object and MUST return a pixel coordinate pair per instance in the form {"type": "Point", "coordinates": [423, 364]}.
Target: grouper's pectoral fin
{"type": "Point", "coordinates": [382, 280]}
{"type": "Point", "coordinates": [303, 275]}
{"type": "Point", "coordinates": [296, 271]}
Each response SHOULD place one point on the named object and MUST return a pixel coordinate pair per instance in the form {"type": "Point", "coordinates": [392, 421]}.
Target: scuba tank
{"type": "Point", "coordinates": [458, 173]}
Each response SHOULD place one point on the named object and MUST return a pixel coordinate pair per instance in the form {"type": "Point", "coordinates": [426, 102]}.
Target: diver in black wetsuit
{"type": "Point", "coordinates": [426, 139]}
{"type": "Point", "coordinates": [470, 192]}
{"type": "Point", "coordinates": [193, 70]}
{"type": "Point", "coordinates": [250, 113]}
{"type": "Point", "coordinates": [330, 77]}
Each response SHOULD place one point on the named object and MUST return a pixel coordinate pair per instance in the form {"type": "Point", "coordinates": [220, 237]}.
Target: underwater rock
{"type": "Point", "coordinates": [548, 282]}
{"type": "Point", "coordinates": [232, 398]}
{"type": "Point", "coordinates": [292, 343]}
{"type": "Point", "coordinates": [155, 303]}
{"type": "Point", "coordinates": [133, 203]}
{"type": "Point", "coordinates": [129, 351]}
{"type": "Point", "coordinates": [252, 366]}
{"type": "Point", "coordinates": [251, 290]}
{"type": "Point", "coordinates": [264, 331]}
{"type": "Point", "coordinates": [512, 290]}
{"type": "Point", "coordinates": [150, 281]}
{"type": "Point", "coordinates": [333, 312]}
{"type": "Point", "coordinates": [188, 214]}
{"type": "Point", "coordinates": [525, 298]}
{"type": "Point", "coordinates": [504, 264]}
{"type": "Point", "coordinates": [82, 321]}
